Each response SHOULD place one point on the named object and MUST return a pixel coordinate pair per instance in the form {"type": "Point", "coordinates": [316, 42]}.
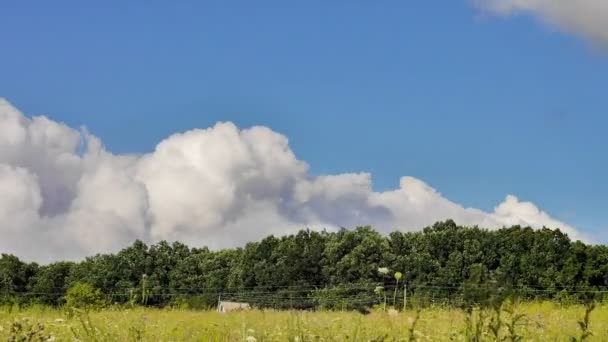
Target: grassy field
{"type": "Point", "coordinates": [542, 322]}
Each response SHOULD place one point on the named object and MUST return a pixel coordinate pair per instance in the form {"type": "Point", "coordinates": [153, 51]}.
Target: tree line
{"type": "Point", "coordinates": [326, 269]}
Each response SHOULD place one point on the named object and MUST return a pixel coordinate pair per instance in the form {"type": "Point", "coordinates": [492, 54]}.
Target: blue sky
{"type": "Point", "coordinates": [477, 105]}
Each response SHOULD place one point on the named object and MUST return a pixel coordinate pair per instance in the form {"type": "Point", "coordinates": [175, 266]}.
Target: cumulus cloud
{"type": "Point", "coordinates": [221, 186]}
{"type": "Point", "coordinates": [587, 18]}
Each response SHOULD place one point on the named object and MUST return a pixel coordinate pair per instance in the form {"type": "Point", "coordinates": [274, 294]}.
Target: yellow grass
{"type": "Point", "coordinates": [544, 322]}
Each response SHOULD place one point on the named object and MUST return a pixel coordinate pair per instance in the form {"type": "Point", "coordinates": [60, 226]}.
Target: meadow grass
{"type": "Point", "coordinates": [542, 321]}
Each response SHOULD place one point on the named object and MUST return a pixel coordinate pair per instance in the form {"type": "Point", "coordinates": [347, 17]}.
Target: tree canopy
{"type": "Point", "coordinates": [441, 260]}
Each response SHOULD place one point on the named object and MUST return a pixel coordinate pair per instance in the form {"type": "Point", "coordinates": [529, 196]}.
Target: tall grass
{"type": "Point", "coordinates": [532, 321]}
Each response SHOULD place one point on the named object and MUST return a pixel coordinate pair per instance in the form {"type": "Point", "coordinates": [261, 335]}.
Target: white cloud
{"type": "Point", "coordinates": [587, 18]}
{"type": "Point", "coordinates": [221, 186]}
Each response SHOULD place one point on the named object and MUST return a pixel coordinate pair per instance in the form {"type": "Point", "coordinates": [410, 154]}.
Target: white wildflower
{"type": "Point", "coordinates": [251, 339]}
{"type": "Point", "coordinates": [383, 270]}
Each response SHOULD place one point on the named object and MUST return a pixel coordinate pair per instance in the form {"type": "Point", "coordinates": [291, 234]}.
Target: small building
{"type": "Point", "coordinates": [224, 306]}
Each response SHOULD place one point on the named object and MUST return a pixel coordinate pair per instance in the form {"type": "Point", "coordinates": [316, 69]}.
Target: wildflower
{"type": "Point", "coordinates": [251, 339]}
{"type": "Point", "coordinates": [383, 270]}
{"type": "Point", "coordinates": [398, 275]}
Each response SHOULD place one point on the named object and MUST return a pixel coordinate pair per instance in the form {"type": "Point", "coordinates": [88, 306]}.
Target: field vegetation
{"type": "Point", "coordinates": [539, 321]}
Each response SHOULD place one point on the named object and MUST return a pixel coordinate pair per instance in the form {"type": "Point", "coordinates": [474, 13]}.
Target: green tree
{"type": "Point", "coordinates": [49, 284]}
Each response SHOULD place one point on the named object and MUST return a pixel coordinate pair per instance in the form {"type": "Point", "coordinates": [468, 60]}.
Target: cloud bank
{"type": "Point", "coordinates": [587, 18]}
{"type": "Point", "coordinates": [64, 196]}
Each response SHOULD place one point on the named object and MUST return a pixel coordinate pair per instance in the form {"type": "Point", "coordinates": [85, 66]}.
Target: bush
{"type": "Point", "coordinates": [84, 296]}
{"type": "Point", "coordinates": [346, 297]}
{"type": "Point", "coordinates": [195, 302]}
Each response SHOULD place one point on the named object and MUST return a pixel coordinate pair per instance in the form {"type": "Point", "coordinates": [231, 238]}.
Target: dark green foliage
{"type": "Point", "coordinates": [346, 297]}
{"type": "Point", "coordinates": [444, 263]}
{"type": "Point", "coordinates": [15, 279]}
{"type": "Point", "coordinates": [195, 302]}
{"type": "Point", "coordinates": [49, 284]}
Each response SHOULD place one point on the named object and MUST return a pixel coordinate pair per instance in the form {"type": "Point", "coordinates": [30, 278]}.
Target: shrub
{"type": "Point", "coordinates": [195, 302]}
{"type": "Point", "coordinates": [84, 296]}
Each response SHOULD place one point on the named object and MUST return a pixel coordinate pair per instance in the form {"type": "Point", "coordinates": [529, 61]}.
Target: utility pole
{"type": "Point", "coordinates": [404, 296]}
